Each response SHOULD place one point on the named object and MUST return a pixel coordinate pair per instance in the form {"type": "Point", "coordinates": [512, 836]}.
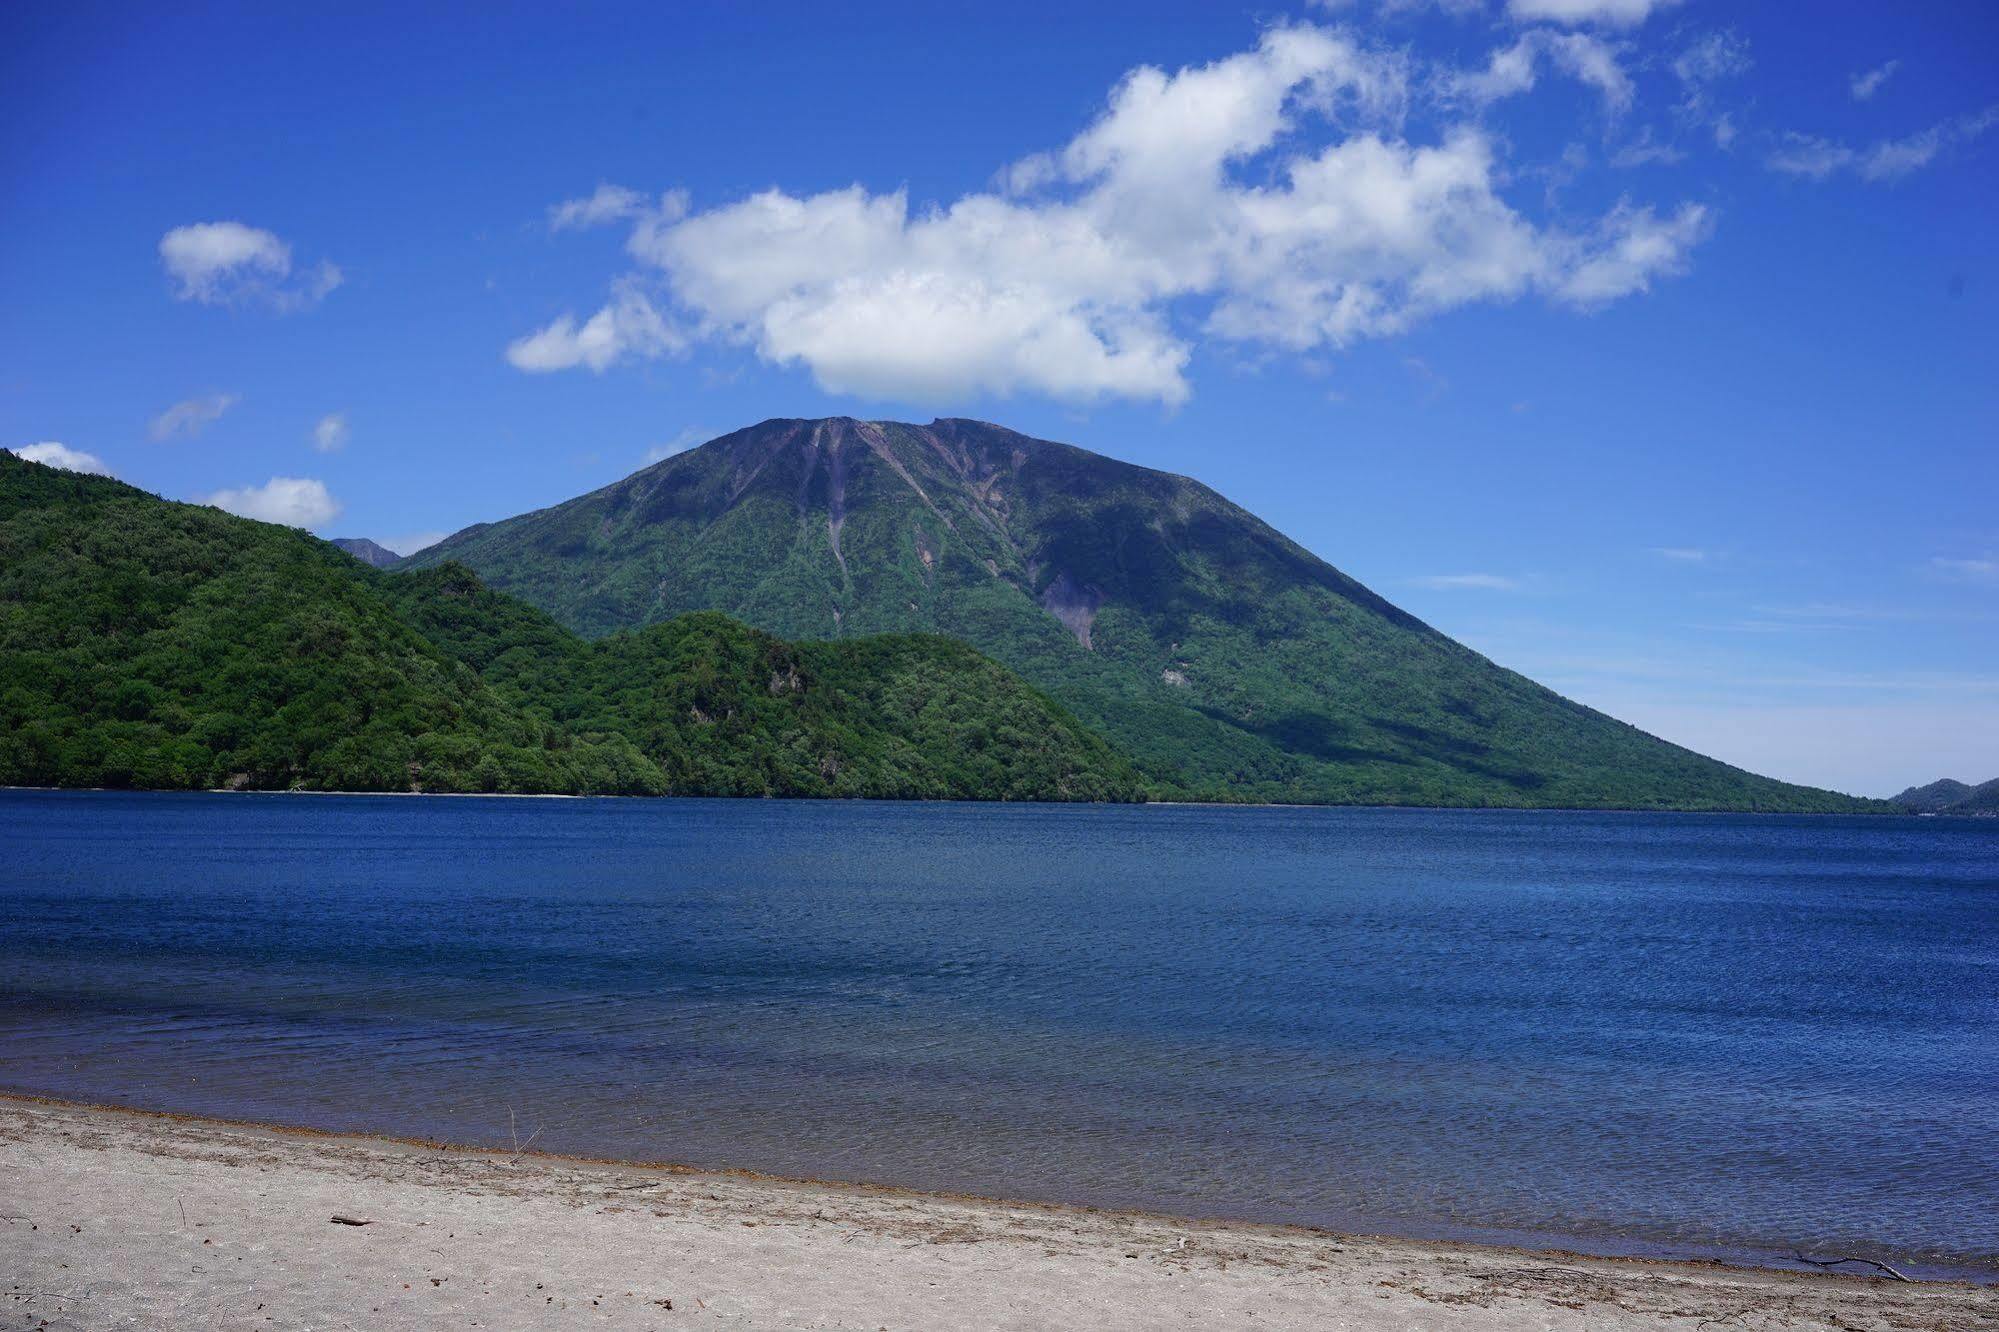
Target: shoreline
{"type": "Point", "coordinates": [1490, 1239]}
{"type": "Point", "coordinates": [176, 1219]}
{"type": "Point", "coordinates": [1056, 804]}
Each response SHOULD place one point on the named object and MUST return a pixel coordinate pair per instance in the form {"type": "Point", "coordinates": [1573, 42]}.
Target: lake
{"type": "Point", "coordinates": [1668, 1034]}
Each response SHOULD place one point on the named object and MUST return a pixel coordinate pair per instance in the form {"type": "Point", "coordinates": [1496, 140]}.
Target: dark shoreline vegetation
{"type": "Point", "coordinates": [153, 645]}
{"type": "Point", "coordinates": [146, 644]}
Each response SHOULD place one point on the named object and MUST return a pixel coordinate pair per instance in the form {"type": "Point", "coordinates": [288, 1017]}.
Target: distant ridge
{"type": "Point", "coordinates": [1231, 662]}
{"type": "Point", "coordinates": [366, 551]}
{"type": "Point", "coordinates": [1951, 797]}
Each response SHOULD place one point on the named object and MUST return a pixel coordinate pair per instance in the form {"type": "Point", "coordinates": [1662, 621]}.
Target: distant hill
{"type": "Point", "coordinates": [1951, 797]}
{"type": "Point", "coordinates": [366, 551]}
{"type": "Point", "coordinates": [158, 645]}
{"type": "Point", "coordinates": [1231, 662]}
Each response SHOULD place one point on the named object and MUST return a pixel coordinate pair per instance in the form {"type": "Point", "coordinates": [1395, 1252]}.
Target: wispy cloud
{"type": "Point", "coordinates": [680, 443]}
{"type": "Point", "coordinates": [228, 263]}
{"type": "Point", "coordinates": [1772, 626]}
{"type": "Point", "coordinates": [1864, 85]}
{"type": "Point", "coordinates": [1684, 554]}
{"type": "Point", "coordinates": [1980, 570]}
{"type": "Point", "coordinates": [330, 434]}
{"type": "Point", "coordinates": [1815, 158]}
{"type": "Point", "coordinates": [191, 417]}
{"type": "Point", "coordinates": [1514, 69]}
{"type": "Point", "coordinates": [1646, 151]}
{"type": "Point", "coordinates": [1466, 582]}
{"type": "Point", "coordinates": [614, 203]}
{"type": "Point", "coordinates": [1710, 61]}
{"type": "Point", "coordinates": [413, 542]}
{"type": "Point", "coordinates": [1850, 613]}
{"type": "Point", "coordinates": [1433, 383]}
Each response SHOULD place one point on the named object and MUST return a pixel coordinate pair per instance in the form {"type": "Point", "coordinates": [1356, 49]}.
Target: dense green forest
{"type": "Point", "coordinates": [1228, 661]}
{"type": "Point", "coordinates": [159, 645]}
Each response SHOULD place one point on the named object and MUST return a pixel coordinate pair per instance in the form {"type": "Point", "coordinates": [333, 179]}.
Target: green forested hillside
{"type": "Point", "coordinates": [151, 644]}
{"type": "Point", "coordinates": [1949, 796]}
{"type": "Point", "coordinates": [1230, 662]}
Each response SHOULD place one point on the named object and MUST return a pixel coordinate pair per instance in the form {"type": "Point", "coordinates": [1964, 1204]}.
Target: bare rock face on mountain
{"type": "Point", "coordinates": [1231, 662]}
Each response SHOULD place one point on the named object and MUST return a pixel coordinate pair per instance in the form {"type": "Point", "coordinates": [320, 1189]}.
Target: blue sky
{"type": "Point", "coordinates": [1649, 348]}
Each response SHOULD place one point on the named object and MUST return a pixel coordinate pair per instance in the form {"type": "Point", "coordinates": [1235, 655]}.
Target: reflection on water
{"type": "Point", "coordinates": [1663, 1033]}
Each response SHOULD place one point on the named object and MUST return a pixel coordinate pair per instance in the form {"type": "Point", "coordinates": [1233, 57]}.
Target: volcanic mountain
{"type": "Point", "coordinates": [1229, 661]}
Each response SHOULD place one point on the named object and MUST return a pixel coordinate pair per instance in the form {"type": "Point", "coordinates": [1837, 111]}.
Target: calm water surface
{"type": "Point", "coordinates": [1678, 1034]}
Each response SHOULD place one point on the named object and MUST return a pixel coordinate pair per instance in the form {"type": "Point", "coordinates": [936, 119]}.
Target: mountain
{"type": "Point", "coordinates": [159, 645]}
{"type": "Point", "coordinates": [1231, 662]}
{"type": "Point", "coordinates": [1937, 795]}
{"type": "Point", "coordinates": [366, 551]}
{"type": "Point", "coordinates": [1951, 797]}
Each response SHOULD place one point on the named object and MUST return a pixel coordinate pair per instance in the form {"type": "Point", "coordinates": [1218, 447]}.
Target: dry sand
{"type": "Point", "coordinates": [114, 1219]}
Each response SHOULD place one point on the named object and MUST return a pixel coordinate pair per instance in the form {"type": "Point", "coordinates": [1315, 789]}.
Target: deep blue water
{"type": "Point", "coordinates": [1678, 1034]}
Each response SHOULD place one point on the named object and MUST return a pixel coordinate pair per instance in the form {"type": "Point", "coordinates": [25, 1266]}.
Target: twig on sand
{"type": "Point", "coordinates": [1835, 1262]}
{"type": "Point", "coordinates": [514, 1136]}
{"type": "Point", "coordinates": [350, 1221]}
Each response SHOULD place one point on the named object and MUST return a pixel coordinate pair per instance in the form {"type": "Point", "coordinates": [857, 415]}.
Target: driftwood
{"type": "Point", "coordinates": [1835, 1262]}
{"type": "Point", "coordinates": [350, 1221]}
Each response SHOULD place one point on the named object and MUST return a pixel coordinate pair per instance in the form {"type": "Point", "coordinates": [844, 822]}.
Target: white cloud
{"type": "Point", "coordinates": [191, 417]}
{"type": "Point", "coordinates": [1633, 246]}
{"type": "Point", "coordinates": [1514, 69]}
{"type": "Point", "coordinates": [680, 443]}
{"type": "Point", "coordinates": [1467, 582]}
{"type": "Point", "coordinates": [228, 263]}
{"type": "Point", "coordinates": [1268, 198]}
{"type": "Point", "coordinates": [413, 542]}
{"type": "Point", "coordinates": [1614, 13]}
{"type": "Point", "coordinates": [614, 203]}
{"type": "Point", "coordinates": [330, 435]}
{"type": "Point", "coordinates": [51, 454]}
{"type": "Point", "coordinates": [1683, 554]}
{"type": "Point", "coordinates": [1864, 85]}
{"type": "Point", "coordinates": [629, 326]}
{"type": "Point", "coordinates": [1889, 159]}
{"type": "Point", "coordinates": [291, 500]}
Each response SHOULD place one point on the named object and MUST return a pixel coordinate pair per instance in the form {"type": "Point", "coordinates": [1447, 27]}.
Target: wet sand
{"type": "Point", "coordinates": [113, 1218]}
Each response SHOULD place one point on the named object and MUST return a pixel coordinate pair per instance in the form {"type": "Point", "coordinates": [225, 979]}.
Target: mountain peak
{"type": "Point", "coordinates": [366, 551]}
{"type": "Point", "coordinates": [1229, 660]}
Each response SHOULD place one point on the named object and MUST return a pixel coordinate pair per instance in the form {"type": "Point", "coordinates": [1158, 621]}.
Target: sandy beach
{"type": "Point", "coordinates": [118, 1219]}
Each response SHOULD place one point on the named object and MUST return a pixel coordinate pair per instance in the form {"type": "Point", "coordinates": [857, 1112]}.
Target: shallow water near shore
{"type": "Point", "coordinates": [1681, 1035]}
